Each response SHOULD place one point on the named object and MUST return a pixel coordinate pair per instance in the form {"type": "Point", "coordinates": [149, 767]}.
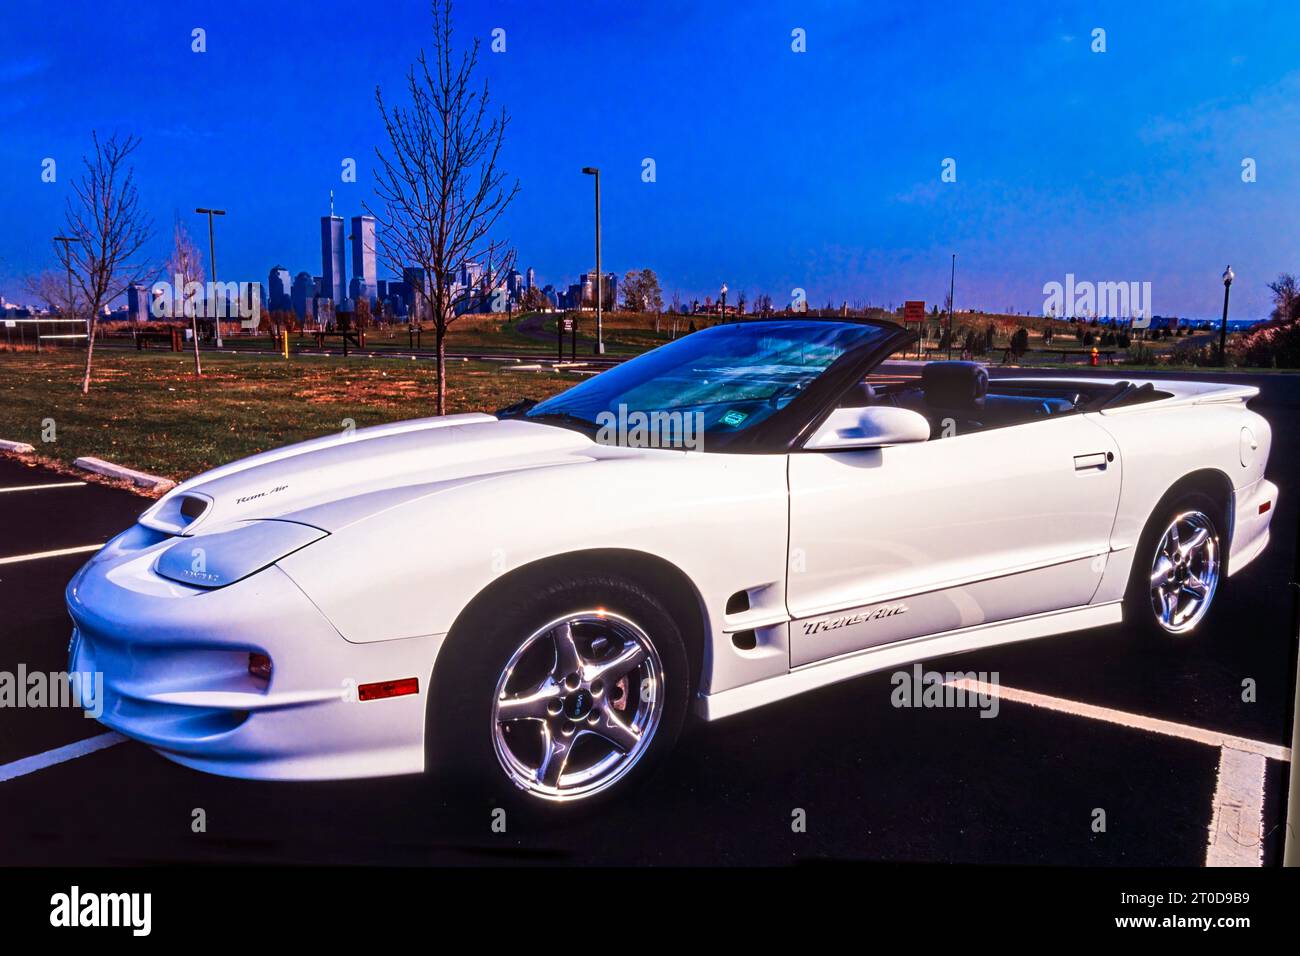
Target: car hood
{"type": "Point", "coordinates": [334, 481]}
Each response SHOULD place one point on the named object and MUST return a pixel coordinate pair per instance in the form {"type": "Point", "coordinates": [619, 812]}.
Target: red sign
{"type": "Point", "coordinates": [913, 311]}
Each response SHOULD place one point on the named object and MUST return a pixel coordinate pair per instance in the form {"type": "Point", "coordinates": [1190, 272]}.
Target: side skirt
{"type": "Point", "coordinates": [811, 676]}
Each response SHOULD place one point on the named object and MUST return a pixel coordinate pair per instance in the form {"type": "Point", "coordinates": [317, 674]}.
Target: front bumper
{"type": "Point", "coordinates": [175, 666]}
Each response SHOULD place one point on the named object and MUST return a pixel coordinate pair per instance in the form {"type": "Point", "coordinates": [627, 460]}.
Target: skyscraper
{"type": "Point", "coordinates": [137, 302]}
{"type": "Point", "coordinates": [279, 296]}
{"type": "Point", "coordinates": [363, 255]}
{"type": "Point", "coordinates": [333, 268]}
{"type": "Point", "coordinates": [304, 290]}
{"type": "Point", "coordinates": [416, 305]}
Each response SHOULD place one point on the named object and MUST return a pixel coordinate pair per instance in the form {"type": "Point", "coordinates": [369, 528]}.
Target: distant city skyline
{"type": "Point", "coordinates": [726, 156]}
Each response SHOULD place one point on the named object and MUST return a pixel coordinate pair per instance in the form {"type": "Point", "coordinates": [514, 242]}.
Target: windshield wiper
{"type": "Point", "coordinates": [517, 409]}
{"type": "Point", "coordinates": [564, 420]}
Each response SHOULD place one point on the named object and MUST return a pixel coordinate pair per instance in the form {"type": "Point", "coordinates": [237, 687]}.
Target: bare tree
{"type": "Point", "coordinates": [104, 216]}
{"type": "Point", "coordinates": [184, 266]}
{"type": "Point", "coordinates": [50, 288]}
{"type": "Point", "coordinates": [440, 191]}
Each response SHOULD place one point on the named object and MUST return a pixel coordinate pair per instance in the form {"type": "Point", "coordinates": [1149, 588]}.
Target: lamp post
{"type": "Point", "coordinates": [722, 298]}
{"type": "Point", "coordinates": [67, 262]}
{"type": "Point", "coordinates": [1228, 276]}
{"type": "Point", "coordinates": [212, 260]}
{"type": "Point", "coordinates": [952, 285]}
{"type": "Point", "coordinates": [600, 278]}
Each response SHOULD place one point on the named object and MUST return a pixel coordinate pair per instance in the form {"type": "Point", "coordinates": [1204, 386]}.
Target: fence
{"type": "Point", "coordinates": [16, 332]}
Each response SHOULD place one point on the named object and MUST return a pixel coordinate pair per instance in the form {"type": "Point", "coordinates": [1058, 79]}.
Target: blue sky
{"type": "Point", "coordinates": [775, 169]}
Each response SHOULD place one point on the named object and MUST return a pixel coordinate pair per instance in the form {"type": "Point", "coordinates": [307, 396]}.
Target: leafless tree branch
{"type": "Point", "coordinates": [104, 217]}
{"type": "Point", "coordinates": [439, 187]}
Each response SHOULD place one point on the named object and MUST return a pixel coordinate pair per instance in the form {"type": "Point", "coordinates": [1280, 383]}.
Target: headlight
{"type": "Point", "coordinates": [224, 557]}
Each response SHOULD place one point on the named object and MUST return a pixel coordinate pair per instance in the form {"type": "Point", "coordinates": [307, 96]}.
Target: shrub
{"type": "Point", "coordinates": [1019, 341]}
{"type": "Point", "coordinates": [1273, 346]}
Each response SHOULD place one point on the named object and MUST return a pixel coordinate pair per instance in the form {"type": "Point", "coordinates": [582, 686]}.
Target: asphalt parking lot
{"type": "Point", "coordinates": [1114, 726]}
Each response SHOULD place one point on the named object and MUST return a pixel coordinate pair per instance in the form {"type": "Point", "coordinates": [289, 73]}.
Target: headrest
{"type": "Point", "coordinates": [955, 384]}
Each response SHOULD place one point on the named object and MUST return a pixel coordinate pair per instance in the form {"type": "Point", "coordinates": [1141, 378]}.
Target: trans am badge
{"type": "Point", "coordinates": [835, 623]}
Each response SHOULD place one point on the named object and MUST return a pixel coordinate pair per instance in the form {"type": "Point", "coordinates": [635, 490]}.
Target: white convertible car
{"type": "Point", "coordinates": [531, 602]}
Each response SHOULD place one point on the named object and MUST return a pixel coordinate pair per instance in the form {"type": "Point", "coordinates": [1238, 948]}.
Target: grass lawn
{"type": "Point", "coordinates": [150, 412]}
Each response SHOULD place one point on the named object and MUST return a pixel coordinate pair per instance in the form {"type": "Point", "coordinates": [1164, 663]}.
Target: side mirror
{"type": "Point", "coordinates": [871, 427]}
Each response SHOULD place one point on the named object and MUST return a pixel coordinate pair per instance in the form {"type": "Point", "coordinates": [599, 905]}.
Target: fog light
{"type": "Point", "coordinates": [259, 665]}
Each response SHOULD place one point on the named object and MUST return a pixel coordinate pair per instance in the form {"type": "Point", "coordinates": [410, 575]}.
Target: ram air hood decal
{"type": "Point", "coordinates": [343, 478]}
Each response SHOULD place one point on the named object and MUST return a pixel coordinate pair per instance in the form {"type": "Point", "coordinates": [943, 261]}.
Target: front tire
{"type": "Point", "coordinates": [1178, 567]}
{"type": "Point", "coordinates": [569, 696]}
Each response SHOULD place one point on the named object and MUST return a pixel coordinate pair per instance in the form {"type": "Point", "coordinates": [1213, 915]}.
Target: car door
{"type": "Point", "coordinates": [888, 544]}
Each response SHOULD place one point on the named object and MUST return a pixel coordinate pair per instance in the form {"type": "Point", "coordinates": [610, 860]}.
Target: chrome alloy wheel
{"type": "Point", "coordinates": [577, 705]}
{"type": "Point", "coordinates": [1185, 572]}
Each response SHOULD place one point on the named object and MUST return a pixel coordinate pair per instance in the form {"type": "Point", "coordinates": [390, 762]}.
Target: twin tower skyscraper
{"type": "Point", "coordinates": [334, 284]}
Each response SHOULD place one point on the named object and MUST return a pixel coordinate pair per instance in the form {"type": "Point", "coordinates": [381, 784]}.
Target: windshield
{"type": "Point", "coordinates": [719, 381]}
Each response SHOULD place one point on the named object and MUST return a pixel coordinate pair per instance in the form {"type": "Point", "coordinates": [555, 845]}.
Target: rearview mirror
{"type": "Point", "coordinates": [871, 427]}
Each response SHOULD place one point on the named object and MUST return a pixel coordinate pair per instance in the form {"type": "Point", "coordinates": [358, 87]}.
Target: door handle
{"type": "Point", "coordinates": [1094, 462]}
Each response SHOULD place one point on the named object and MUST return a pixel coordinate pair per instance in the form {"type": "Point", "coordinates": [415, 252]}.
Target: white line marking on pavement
{"type": "Point", "coordinates": [1237, 818]}
{"type": "Point", "coordinates": [82, 549]}
{"type": "Point", "coordinates": [52, 484]}
{"type": "Point", "coordinates": [1237, 823]}
{"type": "Point", "coordinates": [1136, 721]}
{"type": "Point", "coordinates": [19, 768]}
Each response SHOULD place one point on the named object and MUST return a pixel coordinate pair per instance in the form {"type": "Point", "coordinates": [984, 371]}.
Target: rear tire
{"type": "Point", "coordinates": [1177, 568]}
{"type": "Point", "coordinates": [566, 698]}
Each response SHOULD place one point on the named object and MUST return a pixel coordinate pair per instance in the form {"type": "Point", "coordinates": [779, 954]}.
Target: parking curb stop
{"type": "Point", "coordinates": [110, 470]}
{"type": "Point", "coordinates": [17, 447]}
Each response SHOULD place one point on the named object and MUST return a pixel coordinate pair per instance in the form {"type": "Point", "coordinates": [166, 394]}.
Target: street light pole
{"type": "Point", "coordinates": [952, 285]}
{"type": "Point", "coordinates": [212, 259]}
{"type": "Point", "coordinates": [722, 308]}
{"type": "Point", "coordinates": [67, 262]}
{"type": "Point", "coordinates": [600, 278]}
{"type": "Point", "coordinates": [1228, 276]}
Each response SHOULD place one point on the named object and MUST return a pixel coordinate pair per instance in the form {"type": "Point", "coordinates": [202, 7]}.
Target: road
{"type": "Point", "coordinates": [873, 782]}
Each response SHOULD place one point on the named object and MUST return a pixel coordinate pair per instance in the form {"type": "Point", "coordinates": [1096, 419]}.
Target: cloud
{"type": "Point", "coordinates": [1269, 114]}
{"type": "Point", "coordinates": [22, 68]}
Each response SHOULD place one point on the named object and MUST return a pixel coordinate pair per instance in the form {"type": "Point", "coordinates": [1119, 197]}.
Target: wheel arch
{"type": "Point", "coordinates": [1208, 481]}
{"type": "Point", "coordinates": [681, 597]}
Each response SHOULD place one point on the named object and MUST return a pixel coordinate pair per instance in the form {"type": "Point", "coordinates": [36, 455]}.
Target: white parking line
{"type": "Point", "coordinates": [52, 484]}
{"type": "Point", "coordinates": [1237, 823]}
{"type": "Point", "coordinates": [80, 549]}
{"type": "Point", "coordinates": [1154, 725]}
{"type": "Point", "coordinates": [1236, 831]}
{"type": "Point", "coordinates": [20, 768]}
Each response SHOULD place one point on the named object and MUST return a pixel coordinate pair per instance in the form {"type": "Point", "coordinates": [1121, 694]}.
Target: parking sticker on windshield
{"type": "Point", "coordinates": [734, 418]}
